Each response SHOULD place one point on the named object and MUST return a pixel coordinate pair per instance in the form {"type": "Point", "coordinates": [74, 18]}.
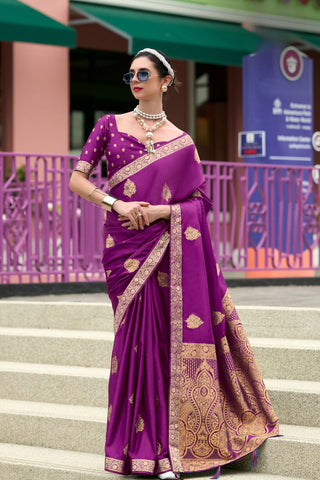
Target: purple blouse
{"type": "Point", "coordinates": [105, 140]}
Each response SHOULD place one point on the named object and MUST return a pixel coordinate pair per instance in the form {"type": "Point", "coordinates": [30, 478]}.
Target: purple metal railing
{"type": "Point", "coordinates": [50, 234]}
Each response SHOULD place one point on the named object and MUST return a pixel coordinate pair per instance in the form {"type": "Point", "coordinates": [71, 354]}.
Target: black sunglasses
{"type": "Point", "coordinates": [142, 76]}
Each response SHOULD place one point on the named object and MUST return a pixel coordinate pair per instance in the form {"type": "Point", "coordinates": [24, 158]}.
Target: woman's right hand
{"type": "Point", "coordinates": [132, 211]}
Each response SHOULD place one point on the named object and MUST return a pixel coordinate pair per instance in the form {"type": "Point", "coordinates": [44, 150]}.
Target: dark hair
{"type": "Point", "coordinates": [162, 69]}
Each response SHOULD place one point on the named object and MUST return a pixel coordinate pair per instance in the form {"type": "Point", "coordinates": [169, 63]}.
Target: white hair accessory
{"type": "Point", "coordinates": [162, 60]}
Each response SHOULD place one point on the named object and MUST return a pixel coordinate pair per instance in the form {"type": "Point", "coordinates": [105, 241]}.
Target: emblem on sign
{"type": "Point", "coordinates": [316, 141]}
{"type": "Point", "coordinates": [291, 63]}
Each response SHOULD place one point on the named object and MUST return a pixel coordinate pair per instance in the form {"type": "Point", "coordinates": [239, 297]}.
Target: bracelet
{"type": "Point", "coordinates": [108, 202]}
{"type": "Point", "coordinates": [93, 190]}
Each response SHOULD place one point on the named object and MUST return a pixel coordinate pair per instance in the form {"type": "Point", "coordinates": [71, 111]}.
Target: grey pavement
{"type": "Point", "coordinates": [289, 295]}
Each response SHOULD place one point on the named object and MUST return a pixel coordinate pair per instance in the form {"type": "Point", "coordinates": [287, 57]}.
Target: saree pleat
{"type": "Point", "coordinates": [185, 392]}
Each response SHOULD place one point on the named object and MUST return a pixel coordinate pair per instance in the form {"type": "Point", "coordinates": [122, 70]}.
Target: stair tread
{"type": "Point", "coordinates": [54, 410]}
{"type": "Point", "coordinates": [296, 386]}
{"type": "Point", "coordinates": [89, 462]}
{"type": "Point", "coordinates": [57, 333]}
{"type": "Point", "coordinates": [292, 343]}
{"type": "Point", "coordinates": [98, 414]}
{"type": "Point", "coordinates": [50, 369]}
{"type": "Point", "coordinates": [283, 385]}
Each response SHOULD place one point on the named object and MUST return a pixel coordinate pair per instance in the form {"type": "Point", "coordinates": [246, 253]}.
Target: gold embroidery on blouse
{"type": "Point", "coordinates": [129, 188]}
{"type": "Point", "coordinates": [147, 159]}
{"type": "Point", "coordinates": [139, 424]}
{"type": "Point", "coordinates": [193, 321]}
{"type": "Point", "coordinates": [140, 278]}
{"type": "Point", "coordinates": [131, 399]}
{"type": "Point", "coordinates": [166, 193]}
{"type": "Point", "coordinates": [131, 265]}
{"type": "Point", "coordinates": [109, 412]}
{"type": "Point", "coordinates": [228, 305]}
{"type": "Point", "coordinates": [196, 193]}
{"type": "Point", "coordinates": [192, 233]}
{"type": "Point", "coordinates": [163, 279]}
{"type": "Point", "coordinates": [196, 156]}
{"type": "Point", "coordinates": [114, 365]}
{"type": "Point", "coordinates": [109, 241]}
{"type": "Point", "coordinates": [84, 167]}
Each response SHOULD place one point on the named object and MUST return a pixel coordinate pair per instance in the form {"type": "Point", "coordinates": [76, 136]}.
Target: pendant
{"type": "Point", "coordinates": [149, 146]}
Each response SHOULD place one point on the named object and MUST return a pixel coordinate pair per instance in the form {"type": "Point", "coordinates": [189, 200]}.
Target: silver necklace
{"type": "Point", "coordinates": [149, 116]}
{"type": "Point", "coordinates": [150, 130]}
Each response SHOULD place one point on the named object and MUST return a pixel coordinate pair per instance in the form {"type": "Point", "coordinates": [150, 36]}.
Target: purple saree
{"type": "Point", "coordinates": [185, 392]}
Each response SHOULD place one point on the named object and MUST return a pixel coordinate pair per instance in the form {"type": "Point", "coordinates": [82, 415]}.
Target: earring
{"type": "Point", "coordinates": [164, 88]}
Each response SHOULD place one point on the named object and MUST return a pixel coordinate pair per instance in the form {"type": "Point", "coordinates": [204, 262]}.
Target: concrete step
{"type": "Point", "coordinates": [75, 428]}
{"type": "Point", "coordinates": [56, 315]}
{"type": "Point", "coordinates": [259, 321]}
{"type": "Point", "coordinates": [86, 348]}
{"type": "Point", "coordinates": [65, 384]}
{"type": "Point", "coordinates": [19, 462]}
{"type": "Point", "coordinates": [287, 358]}
{"type": "Point", "coordinates": [292, 400]}
{"type": "Point", "coordinates": [280, 322]}
{"type": "Point", "coordinates": [277, 358]}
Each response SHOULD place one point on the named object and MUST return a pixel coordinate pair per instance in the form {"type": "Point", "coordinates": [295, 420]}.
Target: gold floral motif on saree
{"type": "Point", "coordinates": [136, 348]}
{"type": "Point", "coordinates": [114, 465]}
{"type": "Point", "coordinates": [159, 447]}
{"type": "Point", "coordinates": [140, 465]}
{"type": "Point", "coordinates": [109, 241]}
{"type": "Point", "coordinates": [176, 334]}
{"type": "Point", "coordinates": [196, 193]}
{"type": "Point", "coordinates": [129, 188]}
{"type": "Point", "coordinates": [163, 279]}
{"type": "Point", "coordinates": [193, 321]}
{"type": "Point", "coordinates": [192, 233]}
{"type": "Point", "coordinates": [131, 399]}
{"type": "Point", "coordinates": [114, 365]}
{"type": "Point", "coordinates": [84, 167]}
{"type": "Point", "coordinates": [131, 265]}
{"type": "Point", "coordinates": [218, 269]}
{"type": "Point", "coordinates": [125, 450]}
{"type": "Point", "coordinates": [228, 304]}
{"type": "Point", "coordinates": [140, 278]}
{"type": "Point", "coordinates": [218, 317]}
{"type": "Point", "coordinates": [146, 160]}
{"type": "Point", "coordinates": [139, 424]}
{"type": "Point", "coordinates": [109, 412]}
{"type": "Point", "coordinates": [166, 192]}
{"type": "Point", "coordinates": [164, 465]}
{"type": "Point", "coordinates": [108, 273]}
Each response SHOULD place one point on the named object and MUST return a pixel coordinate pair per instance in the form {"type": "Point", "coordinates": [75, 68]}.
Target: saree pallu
{"type": "Point", "coordinates": [185, 392]}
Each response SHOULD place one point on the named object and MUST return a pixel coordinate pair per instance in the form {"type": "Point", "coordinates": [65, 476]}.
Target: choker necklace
{"type": "Point", "coordinates": [150, 130]}
{"type": "Point", "coordinates": [149, 116]}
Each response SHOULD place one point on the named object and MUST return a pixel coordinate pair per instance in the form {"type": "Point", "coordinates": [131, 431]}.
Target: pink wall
{"type": "Point", "coordinates": [36, 85]}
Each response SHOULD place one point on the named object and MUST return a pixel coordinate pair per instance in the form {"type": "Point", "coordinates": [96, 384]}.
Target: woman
{"type": "Point", "coordinates": [185, 393]}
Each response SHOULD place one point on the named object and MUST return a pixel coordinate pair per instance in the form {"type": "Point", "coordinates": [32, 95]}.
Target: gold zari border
{"type": "Point", "coordinates": [140, 278]}
{"type": "Point", "coordinates": [146, 160]}
{"type": "Point", "coordinates": [176, 334]}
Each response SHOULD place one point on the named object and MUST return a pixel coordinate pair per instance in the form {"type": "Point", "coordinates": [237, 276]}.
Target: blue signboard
{"type": "Point", "coordinates": [278, 99]}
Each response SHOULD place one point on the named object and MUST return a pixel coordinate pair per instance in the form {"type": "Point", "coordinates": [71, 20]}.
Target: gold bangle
{"type": "Point", "coordinates": [108, 202]}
